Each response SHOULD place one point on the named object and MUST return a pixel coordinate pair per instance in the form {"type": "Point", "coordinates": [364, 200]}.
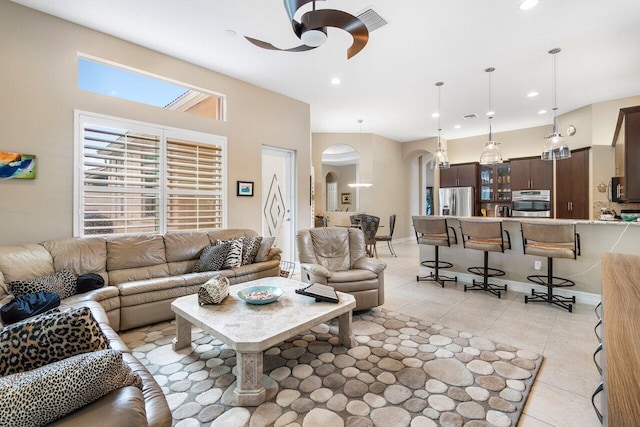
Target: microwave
{"type": "Point", "coordinates": [531, 203]}
{"type": "Point", "coordinates": [615, 190]}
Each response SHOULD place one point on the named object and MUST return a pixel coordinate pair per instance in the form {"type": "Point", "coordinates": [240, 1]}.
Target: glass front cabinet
{"type": "Point", "coordinates": [495, 183]}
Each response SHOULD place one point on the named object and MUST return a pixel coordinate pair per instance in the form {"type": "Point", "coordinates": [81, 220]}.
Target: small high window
{"type": "Point", "coordinates": [138, 86]}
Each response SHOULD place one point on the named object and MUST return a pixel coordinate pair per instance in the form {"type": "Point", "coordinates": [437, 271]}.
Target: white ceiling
{"type": "Point", "coordinates": [391, 83]}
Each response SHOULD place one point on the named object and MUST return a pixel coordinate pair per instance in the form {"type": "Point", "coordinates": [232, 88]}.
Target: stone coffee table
{"type": "Point", "coordinates": [251, 329]}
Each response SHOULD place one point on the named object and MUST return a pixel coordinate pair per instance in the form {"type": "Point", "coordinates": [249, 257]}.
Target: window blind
{"type": "Point", "coordinates": [134, 178]}
{"type": "Point", "coordinates": [194, 185]}
{"type": "Point", "coordinates": [121, 181]}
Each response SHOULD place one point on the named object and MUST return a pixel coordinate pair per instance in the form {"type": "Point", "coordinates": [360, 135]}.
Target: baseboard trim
{"type": "Point", "coordinates": [581, 296]}
{"type": "Point", "coordinates": [404, 239]}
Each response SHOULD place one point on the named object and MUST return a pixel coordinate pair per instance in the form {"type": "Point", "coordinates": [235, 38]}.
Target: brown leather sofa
{"type": "Point", "coordinates": [143, 273]}
{"type": "Point", "coordinates": [127, 406]}
{"type": "Point", "coordinates": [336, 256]}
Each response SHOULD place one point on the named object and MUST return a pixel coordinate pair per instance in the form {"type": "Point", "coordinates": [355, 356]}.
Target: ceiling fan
{"type": "Point", "coordinates": [312, 30]}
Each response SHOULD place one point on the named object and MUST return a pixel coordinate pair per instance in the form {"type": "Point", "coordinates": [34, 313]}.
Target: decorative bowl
{"type": "Point", "coordinates": [246, 294]}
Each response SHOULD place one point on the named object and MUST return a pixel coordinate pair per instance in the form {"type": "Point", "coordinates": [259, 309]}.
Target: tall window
{"type": "Point", "coordinates": [135, 178]}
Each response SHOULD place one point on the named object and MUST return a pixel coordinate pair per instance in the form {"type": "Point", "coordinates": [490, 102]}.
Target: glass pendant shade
{"type": "Point", "coordinates": [491, 154]}
{"type": "Point", "coordinates": [555, 148]}
{"type": "Point", "coordinates": [440, 158]}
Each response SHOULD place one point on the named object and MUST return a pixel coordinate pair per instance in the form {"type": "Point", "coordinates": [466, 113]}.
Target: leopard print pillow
{"type": "Point", "coordinates": [62, 283]}
{"type": "Point", "coordinates": [212, 258]}
{"type": "Point", "coordinates": [49, 338]}
{"type": "Point", "coordinates": [41, 396]}
{"type": "Point", "coordinates": [234, 257]}
{"type": "Point", "coordinates": [250, 248]}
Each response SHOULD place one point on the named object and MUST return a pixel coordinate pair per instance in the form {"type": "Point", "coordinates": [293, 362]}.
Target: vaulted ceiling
{"type": "Point", "coordinates": [390, 85]}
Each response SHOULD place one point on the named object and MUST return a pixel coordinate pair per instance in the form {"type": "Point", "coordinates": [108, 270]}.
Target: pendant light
{"type": "Point", "coordinates": [491, 153]}
{"type": "Point", "coordinates": [359, 182]}
{"type": "Point", "coordinates": [555, 147]}
{"type": "Point", "coordinates": [440, 158]}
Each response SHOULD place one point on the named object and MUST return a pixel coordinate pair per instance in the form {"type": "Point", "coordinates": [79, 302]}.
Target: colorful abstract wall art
{"type": "Point", "coordinates": [16, 165]}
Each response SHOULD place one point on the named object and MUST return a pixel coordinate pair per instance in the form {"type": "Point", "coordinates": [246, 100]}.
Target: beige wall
{"type": "Point", "coordinates": [512, 144]}
{"type": "Point", "coordinates": [595, 125]}
{"type": "Point", "coordinates": [40, 94]}
{"type": "Point", "coordinates": [381, 164]}
{"type": "Point", "coordinates": [345, 175]}
{"type": "Point", "coordinates": [605, 117]}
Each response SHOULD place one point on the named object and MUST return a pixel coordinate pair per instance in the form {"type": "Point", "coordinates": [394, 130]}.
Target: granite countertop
{"type": "Point", "coordinates": [543, 220]}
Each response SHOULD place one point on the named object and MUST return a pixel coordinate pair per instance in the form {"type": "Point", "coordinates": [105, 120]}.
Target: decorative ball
{"type": "Point", "coordinates": [213, 291]}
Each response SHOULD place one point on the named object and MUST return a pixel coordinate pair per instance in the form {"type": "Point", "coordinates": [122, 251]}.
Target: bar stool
{"type": "Point", "coordinates": [551, 241]}
{"type": "Point", "coordinates": [487, 236]}
{"type": "Point", "coordinates": [435, 232]}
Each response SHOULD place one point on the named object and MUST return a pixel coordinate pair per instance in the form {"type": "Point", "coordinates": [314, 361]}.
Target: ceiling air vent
{"type": "Point", "coordinates": [470, 116]}
{"type": "Point", "coordinates": [372, 20]}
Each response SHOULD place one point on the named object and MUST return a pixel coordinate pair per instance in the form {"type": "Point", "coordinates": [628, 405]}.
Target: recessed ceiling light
{"type": "Point", "coordinates": [457, 127]}
{"type": "Point", "coordinates": [435, 115]}
{"type": "Point", "coordinates": [542, 112]}
{"type": "Point", "coordinates": [335, 81]}
{"type": "Point", "coordinates": [528, 4]}
{"type": "Point", "coordinates": [491, 113]}
{"type": "Point", "coordinates": [532, 94]}
{"type": "Point", "coordinates": [230, 33]}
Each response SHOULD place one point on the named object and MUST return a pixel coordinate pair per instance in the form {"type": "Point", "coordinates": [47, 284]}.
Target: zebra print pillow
{"type": "Point", "coordinates": [234, 256]}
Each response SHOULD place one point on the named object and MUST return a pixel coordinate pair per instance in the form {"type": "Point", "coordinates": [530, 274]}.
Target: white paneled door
{"type": "Point", "coordinates": [279, 198]}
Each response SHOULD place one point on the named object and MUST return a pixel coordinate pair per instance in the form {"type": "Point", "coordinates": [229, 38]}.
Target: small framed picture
{"type": "Point", "coordinates": [346, 198]}
{"type": "Point", "coordinates": [245, 188]}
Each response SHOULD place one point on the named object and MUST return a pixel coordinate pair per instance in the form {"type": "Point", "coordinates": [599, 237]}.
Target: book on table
{"type": "Point", "coordinates": [319, 292]}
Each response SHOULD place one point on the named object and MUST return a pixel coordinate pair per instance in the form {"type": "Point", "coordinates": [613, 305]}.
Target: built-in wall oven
{"type": "Point", "coordinates": [531, 203]}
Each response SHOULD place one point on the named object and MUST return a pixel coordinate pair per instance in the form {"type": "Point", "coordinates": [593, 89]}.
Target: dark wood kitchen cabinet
{"type": "Point", "coordinates": [626, 141]}
{"type": "Point", "coordinates": [531, 173]}
{"type": "Point", "coordinates": [460, 175]}
{"type": "Point", "coordinates": [572, 186]}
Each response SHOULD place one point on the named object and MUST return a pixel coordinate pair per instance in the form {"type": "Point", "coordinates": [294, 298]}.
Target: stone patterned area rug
{"type": "Point", "coordinates": [404, 372]}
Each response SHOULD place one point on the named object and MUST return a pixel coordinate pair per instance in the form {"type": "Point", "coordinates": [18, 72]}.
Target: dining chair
{"type": "Point", "coordinates": [369, 226]}
{"type": "Point", "coordinates": [388, 237]}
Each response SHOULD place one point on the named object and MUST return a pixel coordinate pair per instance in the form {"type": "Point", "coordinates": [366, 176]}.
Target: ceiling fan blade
{"type": "Point", "coordinates": [292, 7]}
{"type": "Point", "coordinates": [338, 19]}
{"type": "Point", "coordinates": [269, 46]}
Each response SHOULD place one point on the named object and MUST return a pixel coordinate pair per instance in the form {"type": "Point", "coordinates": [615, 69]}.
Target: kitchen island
{"type": "Point", "coordinates": [596, 238]}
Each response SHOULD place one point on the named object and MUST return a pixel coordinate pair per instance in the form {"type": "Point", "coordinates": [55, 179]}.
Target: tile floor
{"type": "Point", "coordinates": [561, 394]}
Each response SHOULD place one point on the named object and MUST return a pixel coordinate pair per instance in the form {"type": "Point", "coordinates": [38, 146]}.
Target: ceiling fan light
{"type": "Point", "coordinates": [314, 38]}
{"type": "Point", "coordinates": [490, 154]}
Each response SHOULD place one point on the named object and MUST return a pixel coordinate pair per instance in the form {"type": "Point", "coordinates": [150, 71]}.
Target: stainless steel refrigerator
{"type": "Point", "coordinates": [457, 201]}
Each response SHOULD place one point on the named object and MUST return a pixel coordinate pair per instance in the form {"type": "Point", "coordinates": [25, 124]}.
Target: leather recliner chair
{"type": "Point", "coordinates": [335, 256]}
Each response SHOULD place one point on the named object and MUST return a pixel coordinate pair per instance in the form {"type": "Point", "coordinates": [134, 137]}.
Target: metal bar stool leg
{"type": "Point", "coordinates": [435, 275]}
{"type": "Point", "coordinates": [551, 282]}
{"type": "Point", "coordinates": [486, 272]}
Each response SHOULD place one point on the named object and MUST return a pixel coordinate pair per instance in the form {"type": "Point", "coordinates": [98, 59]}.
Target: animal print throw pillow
{"type": "Point", "coordinates": [250, 247]}
{"type": "Point", "coordinates": [234, 257]}
{"type": "Point", "coordinates": [212, 258]}
{"type": "Point", "coordinates": [48, 338]}
{"type": "Point", "coordinates": [45, 394]}
{"type": "Point", "coordinates": [62, 283]}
